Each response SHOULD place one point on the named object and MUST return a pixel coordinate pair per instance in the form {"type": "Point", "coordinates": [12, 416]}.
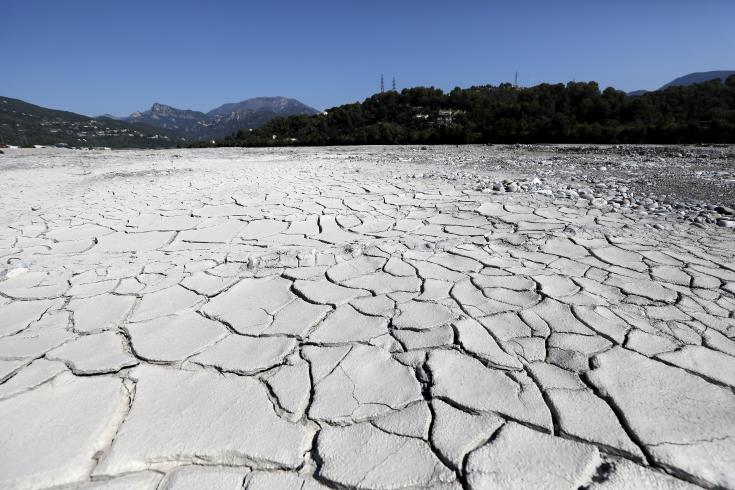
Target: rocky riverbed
{"type": "Point", "coordinates": [419, 317]}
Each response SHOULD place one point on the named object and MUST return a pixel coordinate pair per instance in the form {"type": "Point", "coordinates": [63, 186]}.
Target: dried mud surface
{"type": "Point", "coordinates": [374, 318]}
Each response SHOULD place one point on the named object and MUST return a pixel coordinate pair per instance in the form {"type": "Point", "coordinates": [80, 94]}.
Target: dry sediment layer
{"type": "Point", "coordinates": [358, 318]}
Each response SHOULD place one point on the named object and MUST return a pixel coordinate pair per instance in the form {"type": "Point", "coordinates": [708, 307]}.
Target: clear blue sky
{"type": "Point", "coordinates": [100, 56]}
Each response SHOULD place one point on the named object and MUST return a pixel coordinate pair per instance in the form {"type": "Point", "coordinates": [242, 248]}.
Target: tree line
{"type": "Point", "coordinates": [576, 112]}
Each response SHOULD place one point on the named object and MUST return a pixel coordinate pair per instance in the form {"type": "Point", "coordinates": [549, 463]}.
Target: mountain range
{"type": "Point", "coordinates": [22, 123]}
{"type": "Point", "coordinates": [221, 121]}
{"type": "Point", "coordinates": [575, 112]}
{"type": "Point", "coordinates": [692, 78]}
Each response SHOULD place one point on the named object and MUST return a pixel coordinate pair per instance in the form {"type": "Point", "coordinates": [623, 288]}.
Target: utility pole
{"type": "Point", "coordinates": [394, 84]}
{"type": "Point", "coordinates": [516, 82]}
{"type": "Point", "coordinates": [382, 85]}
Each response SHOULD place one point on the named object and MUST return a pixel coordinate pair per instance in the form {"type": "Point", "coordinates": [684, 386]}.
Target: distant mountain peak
{"type": "Point", "coordinates": [158, 107]}
{"type": "Point", "coordinates": [278, 104]}
{"type": "Point", "coordinates": [690, 79]}
{"type": "Point", "coordinates": [699, 77]}
{"type": "Point", "coordinates": [222, 121]}
{"type": "Point", "coordinates": [24, 123]}
{"type": "Point", "coordinates": [167, 110]}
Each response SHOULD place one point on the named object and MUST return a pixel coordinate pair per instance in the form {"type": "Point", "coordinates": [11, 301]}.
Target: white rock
{"type": "Point", "coordinates": [207, 407]}
{"type": "Point", "coordinates": [345, 324]}
{"type": "Point", "coordinates": [710, 363]}
{"type": "Point", "coordinates": [455, 432]}
{"type": "Point", "coordinates": [223, 232]}
{"type": "Point", "coordinates": [380, 305]}
{"type": "Point", "coordinates": [19, 314]}
{"type": "Point", "coordinates": [248, 305]}
{"type": "Point", "coordinates": [686, 423]}
{"type": "Point", "coordinates": [422, 339]}
{"type": "Point", "coordinates": [587, 417]}
{"type": "Point", "coordinates": [100, 312]}
{"type": "Point", "coordinates": [37, 339]}
{"type": "Point", "coordinates": [351, 269]}
{"type": "Point", "coordinates": [262, 228]}
{"type": "Point", "coordinates": [366, 457]}
{"type": "Point", "coordinates": [630, 476]}
{"type": "Point", "coordinates": [246, 355]}
{"type": "Point", "coordinates": [95, 354]}
{"type": "Point", "coordinates": [174, 338]}
{"type": "Point", "coordinates": [468, 383]}
{"type": "Point", "coordinates": [419, 315]}
{"type": "Point", "coordinates": [169, 301]}
{"type": "Point", "coordinates": [412, 421]}
{"type": "Point", "coordinates": [357, 382]}
{"type": "Point", "coordinates": [207, 284]}
{"type": "Point", "coordinates": [327, 293]}
{"type": "Point", "coordinates": [38, 372]}
{"type": "Point", "coordinates": [278, 480]}
{"type": "Point", "coordinates": [132, 242]}
{"type": "Point", "coordinates": [620, 257]}
{"type": "Point", "coordinates": [8, 368]}
{"type": "Point", "coordinates": [474, 338]}
{"type": "Point", "coordinates": [381, 282]}
{"type": "Point", "coordinates": [142, 480]}
{"type": "Point", "coordinates": [201, 477]}
{"type": "Point", "coordinates": [64, 424]}
{"type": "Point", "coordinates": [291, 384]}
{"type": "Point", "coordinates": [523, 458]}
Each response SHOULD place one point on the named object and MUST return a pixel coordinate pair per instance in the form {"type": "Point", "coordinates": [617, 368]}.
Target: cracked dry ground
{"type": "Point", "coordinates": [310, 319]}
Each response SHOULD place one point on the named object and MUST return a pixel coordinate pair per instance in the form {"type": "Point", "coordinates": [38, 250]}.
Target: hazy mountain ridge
{"type": "Point", "coordinates": [22, 123]}
{"type": "Point", "coordinates": [186, 123]}
{"type": "Point", "coordinates": [223, 120]}
{"type": "Point", "coordinates": [699, 77]}
{"type": "Point", "coordinates": [690, 79]}
{"type": "Point", "coordinates": [277, 105]}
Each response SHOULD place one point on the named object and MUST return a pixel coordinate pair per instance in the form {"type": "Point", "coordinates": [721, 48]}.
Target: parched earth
{"type": "Point", "coordinates": [362, 318]}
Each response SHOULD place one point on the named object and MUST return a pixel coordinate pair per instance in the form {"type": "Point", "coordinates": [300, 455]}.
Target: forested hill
{"type": "Point", "coordinates": [22, 123]}
{"type": "Point", "coordinates": [575, 112]}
